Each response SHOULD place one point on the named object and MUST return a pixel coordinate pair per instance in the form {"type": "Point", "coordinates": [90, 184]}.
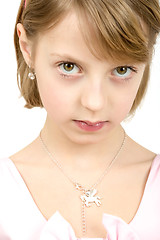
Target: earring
{"type": "Point", "coordinates": [31, 74]}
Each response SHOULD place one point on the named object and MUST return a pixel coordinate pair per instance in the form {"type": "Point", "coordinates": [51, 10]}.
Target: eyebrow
{"type": "Point", "coordinates": [68, 58]}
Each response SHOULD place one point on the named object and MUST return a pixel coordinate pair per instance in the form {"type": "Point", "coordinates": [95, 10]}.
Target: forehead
{"type": "Point", "coordinates": [81, 30]}
{"type": "Point", "coordinates": [69, 24]}
{"type": "Point", "coordinates": [66, 37]}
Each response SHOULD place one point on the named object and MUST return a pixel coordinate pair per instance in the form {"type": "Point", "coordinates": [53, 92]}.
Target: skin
{"type": "Point", "coordinates": [95, 91]}
{"type": "Point", "coordinates": [89, 94]}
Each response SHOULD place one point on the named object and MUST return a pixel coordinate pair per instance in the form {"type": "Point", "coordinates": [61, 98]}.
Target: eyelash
{"type": "Point", "coordinates": [125, 78]}
{"type": "Point", "coordinates": [121, 78]}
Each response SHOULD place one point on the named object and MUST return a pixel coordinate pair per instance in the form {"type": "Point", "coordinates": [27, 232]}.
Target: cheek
{"type": "Point", "coordinates": [54, 98]}
{"type": "Point", "coordinates": [49, 90]}
{"type": "Point", "coordinates": [127, 99]}
{"type": "Point", "coordinates": [123, 103]}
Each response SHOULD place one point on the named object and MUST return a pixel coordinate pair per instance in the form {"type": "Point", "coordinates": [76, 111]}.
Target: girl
{"type": "Point", "coordinates": [87, 63]}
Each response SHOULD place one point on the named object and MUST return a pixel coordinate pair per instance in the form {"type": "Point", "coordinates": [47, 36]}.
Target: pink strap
{"type": "Point", "coordinates": [25, 3]}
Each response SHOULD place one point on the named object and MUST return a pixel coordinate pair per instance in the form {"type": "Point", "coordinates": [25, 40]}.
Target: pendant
{"type": "Point", "coordinates": [89, 197]}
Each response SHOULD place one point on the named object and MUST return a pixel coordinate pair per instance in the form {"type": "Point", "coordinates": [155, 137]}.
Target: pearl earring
{"type": "Point", "coordinates": [31, 74]}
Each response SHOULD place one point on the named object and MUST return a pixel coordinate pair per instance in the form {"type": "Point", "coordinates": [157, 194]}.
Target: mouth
{"type": "Point", "coordinates": [90, 126]}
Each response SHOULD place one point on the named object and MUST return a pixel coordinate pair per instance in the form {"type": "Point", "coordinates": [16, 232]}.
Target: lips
{"type": "Point", "coordinates": [90, 126]}
{"type": "Point", "coordinates": [91, 123]}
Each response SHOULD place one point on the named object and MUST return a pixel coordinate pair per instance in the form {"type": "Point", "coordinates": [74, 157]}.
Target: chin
{"type": "Point", "coordinates": [86, 139]}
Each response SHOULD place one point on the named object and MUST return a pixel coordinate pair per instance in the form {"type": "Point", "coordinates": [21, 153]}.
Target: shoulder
{"type": "Point", "coordinates": [137, 154]}
{"type": "Point", "coordinates": [139, 160]}
{"type": "Point", "coordinates": [8, 181]}
{"type": "Point", "coordinates": [156, 162]}
{"type": "Point", "coordinates": [4, 165]}
{"type": "Point", "coordinates": [155, 171]}
{"type": "Point", "coordinates": [7, 173]}
{"type": "Point", "coordinates": [29, 155]}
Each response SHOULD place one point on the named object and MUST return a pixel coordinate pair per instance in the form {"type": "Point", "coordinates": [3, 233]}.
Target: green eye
{"type": "Point", "coordinates": [122, 70]}
{"type": "Point", "coordinates": [68, 66]}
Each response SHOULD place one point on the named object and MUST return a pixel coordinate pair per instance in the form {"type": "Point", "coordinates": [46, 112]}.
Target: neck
{"type": "Point", "coordinates": [83, 156]}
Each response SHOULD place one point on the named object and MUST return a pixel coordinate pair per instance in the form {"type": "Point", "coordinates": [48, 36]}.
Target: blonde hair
{"type": "Point", "coordinates": [116, 26]}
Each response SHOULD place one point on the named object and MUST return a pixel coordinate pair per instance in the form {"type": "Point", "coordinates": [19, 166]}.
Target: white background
{"type": "Point", "coordinates": [19, 126]}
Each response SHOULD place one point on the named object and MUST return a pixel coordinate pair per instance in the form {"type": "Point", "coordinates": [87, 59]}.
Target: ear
{"type": "Point", "coordinates": [25, 44]}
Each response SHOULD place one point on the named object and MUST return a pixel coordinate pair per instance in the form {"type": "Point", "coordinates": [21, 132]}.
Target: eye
{"type": "Point", "coordinates": [123, 71]}
{"type": "Point", "coordinates": [69, 68]}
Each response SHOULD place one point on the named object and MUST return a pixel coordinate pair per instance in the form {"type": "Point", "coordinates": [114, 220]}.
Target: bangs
{"type": "Point", "coordinates": [114, 32]}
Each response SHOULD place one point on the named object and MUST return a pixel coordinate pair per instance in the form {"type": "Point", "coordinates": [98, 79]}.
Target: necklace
{"type": "Point", "coordinates": [88, 195]}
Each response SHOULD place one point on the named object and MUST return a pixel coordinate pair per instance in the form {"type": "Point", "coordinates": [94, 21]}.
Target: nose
{"type": "Point", "coordinates": [92, 96]}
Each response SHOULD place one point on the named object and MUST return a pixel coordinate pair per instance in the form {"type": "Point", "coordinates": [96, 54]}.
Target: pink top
{"type": "Point", "coordinates": [20, 218]}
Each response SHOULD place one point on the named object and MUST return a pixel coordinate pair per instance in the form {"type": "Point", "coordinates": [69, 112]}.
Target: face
{"type": "Point", "coordinates": [85, 98]}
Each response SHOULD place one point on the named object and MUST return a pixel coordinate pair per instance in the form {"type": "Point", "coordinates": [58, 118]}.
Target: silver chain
{"type": "Point", "coordinates": [76, 184]}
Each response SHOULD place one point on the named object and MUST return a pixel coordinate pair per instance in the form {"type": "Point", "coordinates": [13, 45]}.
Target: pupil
{"type": "Point", "coordinates": [68, 66]}
{"type": "Point", "coordinates": [122, 70]}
